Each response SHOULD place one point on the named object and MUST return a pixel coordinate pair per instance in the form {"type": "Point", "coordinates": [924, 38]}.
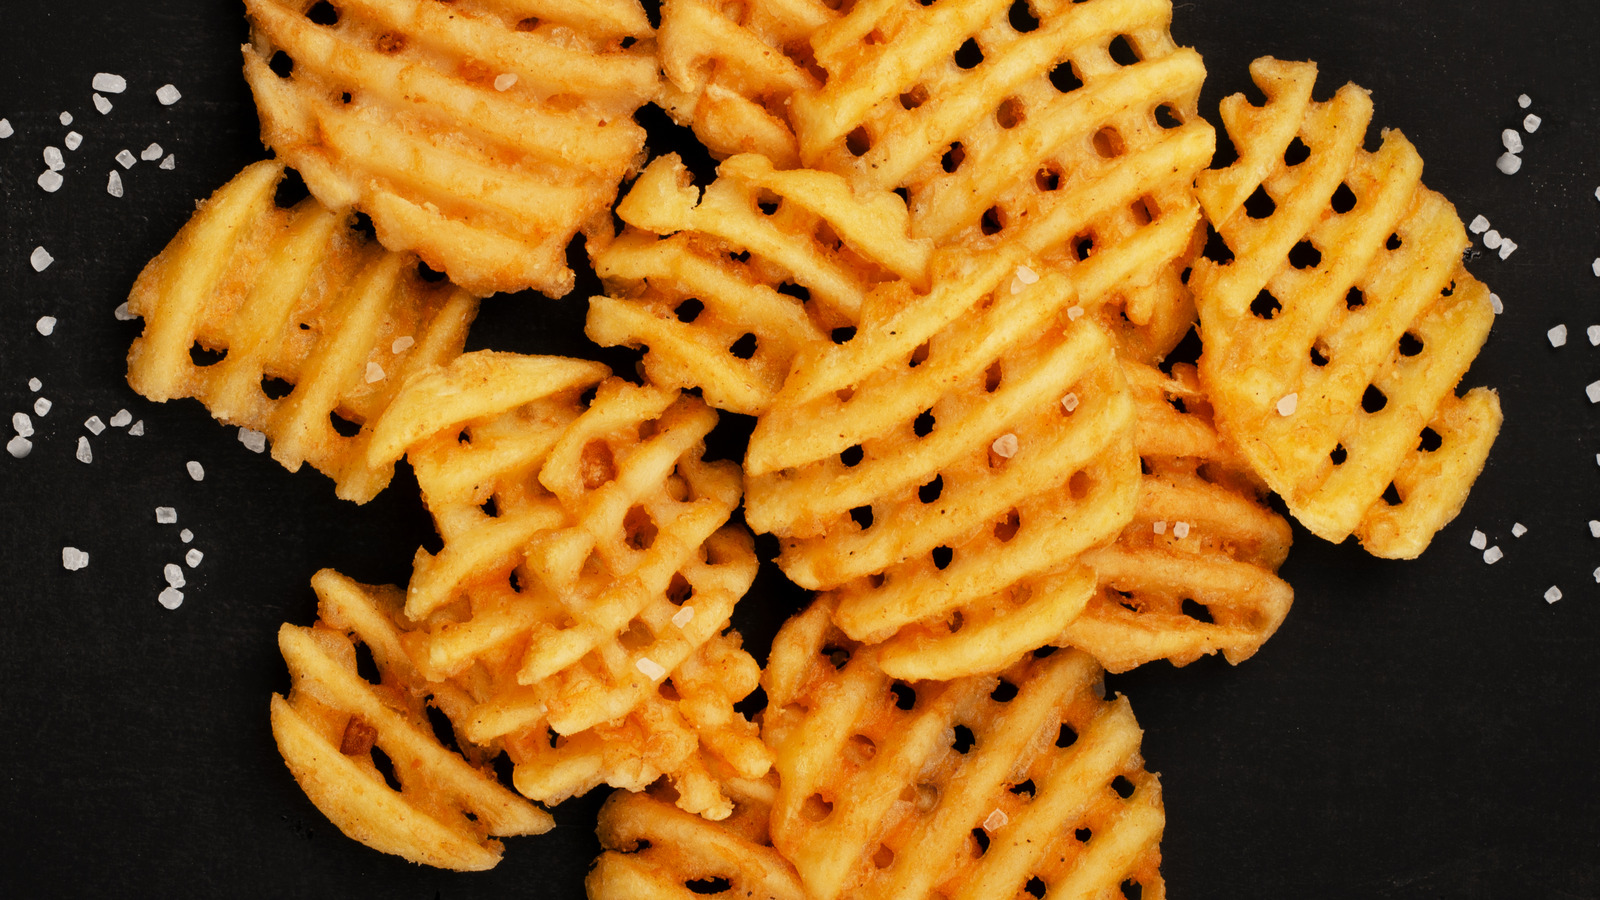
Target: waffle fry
{"type": "Point", "coordinates": [1027, 123]}
{"type": "Point", "coordinates": [587, 575]}
{"type": "Point", "coordinates": [1336, 336]}
{"type": "Point", "coordinates": [334, 722]}
{"type": "Point", "coordinates": [726, 302]}
{"type": "Point", "coordinates": [656, 851]}
{"type": "Point", "coordinates": [1194, 572]}
{"type": "Point", "coordinates": [481, 137]}
{"type": "Point", "coordinates": [317, 327]}
{"type": "Point", "coordinates": [943, 469]}
{"type": "Point", "coordinates": [974, 788]}
{"type": "Point", "coordinates": [731, 69]}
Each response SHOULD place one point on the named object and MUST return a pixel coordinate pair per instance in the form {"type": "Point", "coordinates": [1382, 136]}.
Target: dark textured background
{"type": "Point", "coordinates": [1423, 729]}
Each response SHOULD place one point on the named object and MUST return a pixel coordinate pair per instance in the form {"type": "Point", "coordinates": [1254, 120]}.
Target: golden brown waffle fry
{"type": "Point", "coordinates": [731, 69]}
{"type": "Point", "coordinates": [587, 575]}
{"type": "Point", "coordinates": [334, 723]}
{"type": "Point", "coordinates": [1335, 337]}
{"type": "Point", "coordinates": [766, 263]}
{"type": "Point", "coordinates": [654, 850]}
{"type": "Point", "coordinates": [975, 788]}
{"type": "Point", "coordinates": [944, 468]}
{"type": "Point", "coordinates": [482, 136]}
{"type": "Point", "coordinates": [1069, 128]}
{"type": "Point", "coordinates": [317, 327]}
{"type": "Point", "coordinates": [1194, 572]}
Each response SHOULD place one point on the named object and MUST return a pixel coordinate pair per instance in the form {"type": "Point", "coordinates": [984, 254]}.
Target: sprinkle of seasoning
{"type": "Point", "coordinates": [1180, 530]}
{"type": "Point", "coordinates": [35, 384]}
{"type": "Point", "coordinates": [1597, 576]}
{"type": "Point", "coordinates": [171, 598]}
{"type": "Point", "coordinates": [102, 104]}
{"type": "Point", "coordinates": [1507, 247]}
{"type": "Point", "coordinates": [1075, 313]}
{"type": "Point", "coordinates": [1557, 336]}
{"type": "Point", "coordinates": [1493, 555]}
{"type": "Point", "coordinates": [122, 313]}
{"type": "Point", "coordinates": [73, 559]}
{"type": "Point", "coordinates": [1594, 335]}
{"type": "Point", "coordinates": [5, 128]}
{"type": "Point", "coordinates": [166, 515]}
{"type": "Point", "coordinates": [1593, 390]}
{"type": "Point", "coordinates": [73, 140]}
{"type": "Point", "coordinates": [114, 188]}
{"type": "Point", "coordinates": [193, 557]}
{"type": "Point", "coordinates": [1531, 123]}
{"type": "Point", "coordinates": [683, 617]}
{"type": "Point", "coordinates": [151, 153]}
{"type": "Point", "coordinates": [1479, 540]}
{"type": "Point", "coordinates": [186, 535]}
{"type": "Point", "coordinates": [50, 180]}
{"type": "Point", "coordinates": [42, 406]}
{"type": "Point", "coordinates": [1069, 402]}
{"type": "Point", "coordinates": [1509, 163]}
{"type": "Point", "coordinates": [170, 163]}
{"type": "Point", "coordinates": [995, 821]}
{"type": "Point", "coordinates": [402, 344]}
{"type": "Point", "coordinates": [125, 158]}
{"type": "Point", "coordinates": [108, 83]}
{"type": "Point", "coordinates": [19, 446]}
{"type": "Point", "coordinates": [173, 573]}
{"type": "Point", "coordinates": [94, 425]}
{"type": "Point", "coordinates": [22, 424]}
{"type": "Point", "coordinates": [1518, 530]}
{"type": "Point", "coordinates": [504, 82]}
{"type": "Point", "coordinates": [46, 325]}
{"type": "Point", "coordinates": [1496, 305]}
{"type": "Point", "coordinates": [1159, 527]}
{"type": "Point", "coordinates": [54, 159]}
{"type": "Point", "coordinates": [196, 471]}
{"type": "Point", "coordinates": [1288, 405]}
{"type": "Point", "coordinates": [1005, 446]}
{"type": "Point", "coordinates": [1493, 240]}
{"type": "Point", "coordinates": [121, 418]}
{"type": "Point", "coordinates": [374, 373]}
{"type": "Point", "coordinates": [1512, 139]}
{"type": "Point", "coordinates": [168, 95]}
{"type": "Point", "coordinates": [253, 440]}
{"type": "Point", "coordinates": [1027, 275]}
{"type": "Point", "coordinates": [1552, 595]}
{"type": "Point", "coordinates": [65, 118]}
{"type": "Point", "coordinates": [1479, 225]}
{"type": "Point", "coordinates": [1524, 101]}
{"type": "Point", "coordinates": [84, 454]}
{"type": "Point", "coordinates": [137, 429]}
{"type": "Point", "coordinates": [651, 669]}
{"type": "Point", "coordinates": [1594, 528]}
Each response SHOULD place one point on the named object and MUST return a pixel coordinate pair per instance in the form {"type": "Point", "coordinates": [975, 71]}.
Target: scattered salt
{"type": "Point", "coordinates": [1557, 336]}
{"type": "Point", "coordinates": [196, 471]}
{"type": "Point", "coordinates": [73, 140]}
{"type": "Point", "coordinates": [1492, 240]}
{"type": "Point", "coordinates": [186, 535]}
{"type": "Point", "coordinates": [170, 163]}
{"type": "Point", "coordinates": [1524, 101]}
{"type": "Point", "coordinates": [1075, 313]}
{"type": "Point", "coordinates": [111, 84]}
{"type": "Point", "coordinates": [122, 312]}
{"type": "Point", "coordinates": [51, 181]}
{"type": "Point", "coordinates": [1507, 247]}
{"type": "Point", "coordinates": [137, 429]}
{"type": "Point", "coordinates": [504, 82]}
{"type": "Point", "coordinates": [1288, 404]}
{"type": "Point", "coordinates": [1512, 139]}
{"type": "Point", "coordinates": [168, 95]}
{"type": "Point", "coordinates": [1594, 335]}
{"type": "Point", "coordinates": [1027, 275]}
{"type": "Point", "coordinates": [121, 418]}
{"type": "Point", "coordinates": [1479, 225]}
{"type": "Point", "coordinates": [42, 406]}
{"type": "Point", "coordinates": [1479, 540]}
{"type": "Point", "coordinates": [173, 573]}
{"type": "Point", "coordinates": [1552, 595]}
{"type": "Point", "coordinates": [1159, 527]}
{"type": "Point", "coordinates": [651, 669]}
{"type": "Point", "coordinates": [73, 559]}
{"type": "Point", "coordinates": [19, 446]}
{"type": "Point", "coordinates": [171, 598]}
{"type": "Point", "coordinates": [254, 440]}
{"type": "Point", "coordinates": [94, 425]}
{"type": "Point", "coordinates": [114, 188]}
{"type": "Point", "coordinates": [1597, 576]}
{"type": "Point", "coordinates": [402, 344]}
{"type": "Point", "coordinates": [1531, 123]}
{"type": "Point", "coordinates": [22, 424]}
{"type": "Point", "coordinates": [35, 384]}
{"type": "Point", "coordinates": [1069, 402]}
{"type": "Point", "coordinates": [1016, 286]}
{"type": "Point", "coordinates": [1593, 390]}
{"type": "Point", "coordinates": [46, 325]}
{"type": "Point", "coordinates": [374, 372]}
{"type": "Point", "coordinates": [1509, 163]}
{"type": "Point", "coordinates": [193, 557]}
{"type": "Point", "coordinates": [1493, 555]}
{"type": "Point", "coordinates": [1496, 305]}
{"type": "Point", "coordinates": [41, 260]}
{"type": "Point", "coordinates": [151, 153]}
{"type": "Point", "coordinates": [1005, 446]}
{"type": "Point", "coordinates": [84, 454]}
{"type": "Point", "coordinates": [5, 128]}
{"type": "Point", "coordinates": [102, 104]}
{"type": "Point", "coordinates": [1518, 530]}
{"type": "Point", "coordinates": [683, 617]}
{"type": "Point", "coordinates": [65, 117]}
{"type": "Point", "coordinates": [54, 159]}
{"type": "Point", "coordinates": [995, 821]}
{"type": "Point", "coordinates": [1594, 528]}
{"type": "Point", "coordinates": [166, 515]}
{"type": "Point", "coordinates": [1596, 267]}
{"type": "Point", "coordinates": [1180, 530]}
{"type": "Point", "coordinates": [126, 158]}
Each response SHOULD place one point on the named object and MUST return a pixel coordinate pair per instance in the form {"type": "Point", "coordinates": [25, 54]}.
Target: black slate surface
{"type": "Point", "coordinates": [1422, 729]}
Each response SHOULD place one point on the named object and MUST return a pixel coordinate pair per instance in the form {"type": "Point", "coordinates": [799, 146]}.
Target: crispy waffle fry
{"type": "Point", "coordinates": [944, 468]}
{"type": "Point", "coordinates": [586, 577]}
{"type": "Point", "coordinates": [1336, 336]}
{"type": "Point", "coordinates": [481, 136]}
{"type": "Point", "coordinates": [317, 327]}
{"type": "Point", "coordinates": [766, 263]}
{"type": "Point", "coordinates": [334, 723]}
{"type": "Point", "coordinates": [731, 69]}
{"type": "Point", "coordinates": [1071, 128]}
{"type": "Point", "coordinates": [1194, 572]}
{"type": "Point", "coordinates": [973, 788]}
{"type": "Point", "coordinates": [656, 851]}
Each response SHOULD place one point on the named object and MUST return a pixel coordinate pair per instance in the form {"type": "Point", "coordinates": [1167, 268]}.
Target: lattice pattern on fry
{"type": "Point", "coordinates": [974, 788]}
{"type": "Point", "coordinates": [316, 327]}
{"type": "Point", "coordinates": [944, 468]}
{"type": "Point", "coordinates": [1071, 128]}
{"type": "Point", "coordinates": [1337, 331]}
{"type": "Point", "coordinates": [587, 575]}
{"type": "Point", "coordinates": [482, 136]}
{"type": "Point", "coordinates": [732, 67]}
{"type": "Point", "coordinates": [1194, 572]}
{"type": "Point", "coordinates": [766, 263]}
{"type": "Point", "coordinates": [335, 725]}
{"type": "Point", "coordinates": [654, 850]}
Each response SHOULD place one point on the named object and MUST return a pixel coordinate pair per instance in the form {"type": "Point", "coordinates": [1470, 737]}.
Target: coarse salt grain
{"type": "Point", "coordinates": [1557, 336]}
{"type": "Point", "coordinates": [1531, 123]}
{"type": "Point", "coordinates": [401, 344]}
{"type": "Point", "coordinates": [193, 557]}
{"type": "Point", "coordinates": [1496, 305]}
{"type": "Point", "coordinates": [41, 260]}
{"type": "Point", "coordinates": [171, 598]}
{"type": "Point", "coordinates": [54, 159]}
{"type": "Point", "coordinates": [85, 454]}
{"type": "Point", "coordinates": [173, 573]}
{"type": "Point", "coordinates": [73, 140]}
{"type": "Point", "coordinates": [121, 418]}
{"type": "Point", "coordinates": [1518, 529]}
{"type": "Point", "coordinates": [1005, 446]}
{"type": "Point", "coordinates": [1159, 527]}
{"type": "Point", "coordinates": [1597, 576]}
{"type": "Point", "coordinates": [254, 440]}
{"type": "Point", "coordinates": [1493, 555]}
{"type": "Point", "coordinates": [122, 313]}
{"type": "Point", "coordinates": [186, 535]}
{"type": "Point", "coordinates": [22, 424]}
{"type": "Point", "coordinates": [504, 82]}
{"type": "Point", "coordinates": [42, 406]}
{"type": "Point", "coordinates": [19, 446]}
{"type": "Point", "coordinates": [114, 188]}
{"type": "Point", "coordinates": [1512, 139]}
{"type": "Point", "coordinates": [1074, 314]}
{"type": "Point", "coordinates": [1479, 540]}
{"type": "Point", "coordinates": [1509, 163]}
{"type": "Point", "coordinates": [137, 429]}
{"type": "Point", "coordinates": [102, 104]}
{"type": "Point", "coordinates": [651, 669]}
{"type": "Point", "coordinates": [1180, 530]}
{"type": "Point", "coordinates": [46, 325]}
{"type": "Point", "coordinates": [683, 617]}
{"type": "Point", "coordinates": [1594, 528]}
{"type": "Point", "coordinates": [1524, 101]}
{"type": "Point", "coordinates": [111, 84]}
{"type": "Point", "coordinates": [126, 159]}
{"type": "Point", "coordinates": [1492, 240]}
{"type": "Point", "coordinates": [94, 425]}
{"type": "Point", "coordinates": [151, 153]}
{"type": "Point", "coordinates": [1288, 404]}
{"type": "Point", "coordinates": [374, 372]}
{"type": "Point", "coordinates": [196, 471]}
{"type": "Point", "coordinates": [1507, 247]}
{"type": "Point", "coordinates": [170, 163]}
{"type": "Point", "coordinates": [166, 515]}
{"type": "Point", "coordinates": [1069, 402]}
{"type": "Point", "coordinates": [1593, 390]}
{"type": "Point", "coordinates": [168, 95]}
{"type": "Point", "coordinates": [73, 559]}
{"type": "Point", "coordinates": [1016, 286]}
{"type": "Point", "coordinates": [5, 128]}
{"type": "Point", "coordinates": [50, 180]}
{"type": "Point", "coordinates": [35, 384]}
{"type": "Point", "coordinates": [1027, 275]}
{"type": "Point", "coordinates": [1552, 595]}
{"type": "Point", "coordinates": [995, 820]}
{"type": "Point", "coordinates": [65, 118]}
{"type": "Point", "coordinates": [1594, 335]}
{"type": "Point", "coordinates": [1479, 225]}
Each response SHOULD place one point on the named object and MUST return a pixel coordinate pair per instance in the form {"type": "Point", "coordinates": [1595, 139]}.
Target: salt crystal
{"type": "Point", "coordinates": [1597, 193]}
{"type": "Point", "coordinates": [1531, 123]}
{"type": "Point", "coordinates": [651, 669]}
{"type": "Point", "coordinates": [402, 344]}
{"type": "Point", "coordinates": [196, 471]}
{"type": "Point", "coordinates": [1524, 101]}
{"type": "Point", "coordinates": [1027, 275]}
{"type": "Point", "coordinates": [65, 117]}
{"type": "Point", "coordinates": [166, 515]}
{"type": "Point", "coordinates": [46, 325]}
{"type": "Point", "coordinates": [168, 95]}
{"type": "Point", "coordinates": [1159, 528]}
{"type": "Point", "coordinates": [114, 188]}
{"type": "Point", "coordinates": [102, 104]}
{"type": "Point", "coordinates": [122, 313]}
{"type": "Point", "coordinates": [94, 425]}
{"type": "Point", "coordinates": [5, 128]}
{"type": "Point", "coordinates": [1594, 528]}
{"type": "Point", "coordinates": [1507, 247]}
{"type": "Point", "coordinates": [1496, 305]}
{"type": "Point", "coordinates": [1512, 139]}
{"type": "Point", "coordinates": [683, 617]}
{"type": "Point", "coordinates": [1479, 225]}
{"type": "Point", "coordinates": [995, 821]}
{"type": "Point", "coordinates": [1596, 267]}
{"type": "Point", "coordinates": [53, 159]}
{"type": "Point", "coordinates": [22, 424]}
{"type": "Point", "coordinates": [1005, 446]}
{"type": "Point", "coordinates": [19, 446]}
{"type": "Point", "coordinates": [374, 372]}
{"type": "Point", "coordinates": [41, 260]}
{"type": "Point", "coordinates": [35, 384]}
{"type": "Point", "coordinates": [193, 557]}
{"type": "Point", "coordinates": [1557, 336]}
{"type": "Point", "coordinates": [111, 84]}
{"type": "Point", "coordinates": [42, 406]}
{"type": "Point", "coordinates": [504, 82]}
{"type": "Point", "coordinates": [1509, 163]}
{"type": "Point", "coordinates": [84, 454]}
{"type": "Point", "coordinates": [1016, 286]}
{"type": "Point", "coordinates": [170, 163]}
{"type": "Point", "coordinates": [121, 418]}
{"type": "Point", "coordinates": [1552, 595]}
{"type": "Point", "coordinates": [1493, 555]}
{"type": "Point", "coordinates": [1180, 530]}
{"type": "Point", "coordinates": [1075, 313]}
{"type": "Point", "coordinates": [253, 440]}
{"type": "Point", "coordinates": [1594, 335]}
{"type": "Point", "coordinates": [1593, 390]}
{"type": "Point", "coordinates": [1492, 240]}
{"type": "Point", "coordinates": [1597, 576]}
{"type": "Point", "coordinates": [50, 180]}
{"type": "Point", "coordinates": [137, 429]}
{"type": "Point", "coordinates": [73, 140]}
{"type": "Point", "coordinates": [1479, 540]}
{"type": "Point", "coordinates": [171, 598]}
{"type": "Point", "coordinates": [73, 559]}
{"type": "Point", "coordinates": [126, 158]}
{"type": "Point", "coordinates": [1288, 404]}
{"type": "Point", "coordinates": [186, 535]}
{"type": "Point", "coordinates": [151, 153]}
{"type": "Point", "coordinates": [1069, 402]}
{"type": "Point", "coordinates": [173, 573]}
{"type": "Point", "coordinates": [1518, 530]}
